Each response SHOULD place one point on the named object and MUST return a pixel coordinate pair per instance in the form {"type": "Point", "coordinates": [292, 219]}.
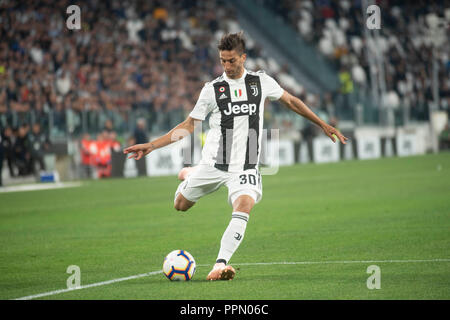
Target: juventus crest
{"type": "Point", "coordinates": [254, 88]}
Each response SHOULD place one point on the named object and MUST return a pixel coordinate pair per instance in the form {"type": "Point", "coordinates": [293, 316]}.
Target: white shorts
{"type": "Point", "coordinates": [206, 179]}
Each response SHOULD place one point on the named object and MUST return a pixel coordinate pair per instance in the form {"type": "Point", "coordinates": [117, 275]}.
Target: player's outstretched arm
{"type": "Point", "coordinates": [182, 130]}
{"type": "Point", "coordinates": [297, 105]}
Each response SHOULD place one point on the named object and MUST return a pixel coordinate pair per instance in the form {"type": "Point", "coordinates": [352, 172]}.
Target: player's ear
{"type": "Point", "coordinates": [243, 57]}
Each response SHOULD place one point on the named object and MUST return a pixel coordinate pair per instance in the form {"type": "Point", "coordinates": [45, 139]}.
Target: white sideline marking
{"type": "Point", "coordinates": [40, 186]}
{"type": "Point", "coordinates": [89, 285]}
{"type": "Point", "coordinates": [103, 283]}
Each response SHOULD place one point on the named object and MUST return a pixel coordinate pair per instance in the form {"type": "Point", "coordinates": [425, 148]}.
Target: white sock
{"type": "Point", "coordinates": [232, 236]}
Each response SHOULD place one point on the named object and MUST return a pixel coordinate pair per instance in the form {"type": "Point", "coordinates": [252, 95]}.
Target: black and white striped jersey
{"type": "Point", "coordinates": [236, 123]}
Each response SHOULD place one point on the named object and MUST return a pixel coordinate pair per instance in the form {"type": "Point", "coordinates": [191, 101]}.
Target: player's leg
{"type": "Point", "coordinates": [181, 203]}
{"type": "Point", "coordinates": [198, 182]}
{"type": "Point", "coordinates": [244, 193]}
{"type": "Point", "coordinates": [235, 231]}
{"type": "Point", "coordinates": [244, 203]}
{"type": "Point", "coordinates": [232, 237]}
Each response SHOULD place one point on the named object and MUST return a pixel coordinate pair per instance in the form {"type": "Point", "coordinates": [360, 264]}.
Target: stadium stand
{"type": "Point", "coordinates": [130, 60]}
{"type": "Point", "coordinates": [409, 41]}
{"type": "Point", "coordinates": [134, 59]}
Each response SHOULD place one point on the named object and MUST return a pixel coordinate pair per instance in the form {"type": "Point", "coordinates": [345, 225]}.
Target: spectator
{"type": "Point", "coordinates": [140, 134]}
{"type": "Point", "coordinates": [87, 150]}
{"type": "Point", "coordinates": [63, 83]}
{"type": "Point", "coordinates": [22, 153]}
{"type": "Point", "coordinates": [108, 126]}
{"type": "Point", "coordinates": [8, 141]}
{"type": "Point", "coordinates": [346, 90]}
{"type": "Point", "coordinates": [134, 25]}
{"type": "Point", "coordinates": [114, 145]}
{"type": "Point", "coordinates": [102, 156]}
{"type": "Point", "coordinates": [105, 143]}
{"type": "Point", "coordinates": [39, 144]}
{"type": "Point", "coordinates": [345, 81]}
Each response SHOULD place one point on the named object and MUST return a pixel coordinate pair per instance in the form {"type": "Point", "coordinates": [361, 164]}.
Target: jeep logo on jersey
{"type": "Point", "coordinates": [240, 109]}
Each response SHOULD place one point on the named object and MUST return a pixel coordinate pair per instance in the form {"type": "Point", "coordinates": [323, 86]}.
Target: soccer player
{"type": "Point", "coordinates": [231, 152]}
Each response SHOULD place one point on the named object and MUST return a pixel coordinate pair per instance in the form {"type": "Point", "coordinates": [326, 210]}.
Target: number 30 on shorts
{"type": "Point", "coordinates": [248, 178]}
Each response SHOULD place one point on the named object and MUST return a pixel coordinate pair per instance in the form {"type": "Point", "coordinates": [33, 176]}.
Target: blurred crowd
{"type": "Point", "coordinates": [413, 35]}
{"type": "Point", "coordinates": [125, 56]}
{"type": "Point", "coordinates": [152, 57]}
{"type": "Point", "coordinates": [143, 58]}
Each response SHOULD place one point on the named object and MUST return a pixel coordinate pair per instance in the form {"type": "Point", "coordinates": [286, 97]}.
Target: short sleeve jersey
{"type": "Point", "coordinates": [236, 122]}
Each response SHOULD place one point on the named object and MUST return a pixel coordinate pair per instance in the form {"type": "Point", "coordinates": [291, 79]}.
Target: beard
{"type": "Point", "coordinates": [233, 73]}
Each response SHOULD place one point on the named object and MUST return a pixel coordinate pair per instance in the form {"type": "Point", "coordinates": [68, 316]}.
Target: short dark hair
{"type": "Point", "coordinates": [232, 41]}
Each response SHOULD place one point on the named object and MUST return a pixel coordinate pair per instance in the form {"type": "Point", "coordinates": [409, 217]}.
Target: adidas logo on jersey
{"type": "Point", "coordinates": [223, 96]}
{"type": "Point", "coordinates": [240, 109]}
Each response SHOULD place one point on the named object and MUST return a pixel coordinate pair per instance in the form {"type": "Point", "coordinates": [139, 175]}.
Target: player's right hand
{"type": "Point", "coordinates": [137, 151]}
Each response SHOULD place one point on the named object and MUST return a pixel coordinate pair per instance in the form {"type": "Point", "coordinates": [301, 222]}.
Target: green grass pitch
{"type": "Point", "coordinates": [333, 220]}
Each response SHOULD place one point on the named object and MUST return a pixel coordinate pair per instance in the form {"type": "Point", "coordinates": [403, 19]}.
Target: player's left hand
{"type": "Point", "coordinates": [333, 133]}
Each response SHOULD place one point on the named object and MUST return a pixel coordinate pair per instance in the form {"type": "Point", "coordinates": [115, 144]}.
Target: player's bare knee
{"type": "Point", "coordinates": [179, 206]}
{"type": "Point", "coordinates": [243, 203]}
{"type": "Point", "coordinates": [182, 204]}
